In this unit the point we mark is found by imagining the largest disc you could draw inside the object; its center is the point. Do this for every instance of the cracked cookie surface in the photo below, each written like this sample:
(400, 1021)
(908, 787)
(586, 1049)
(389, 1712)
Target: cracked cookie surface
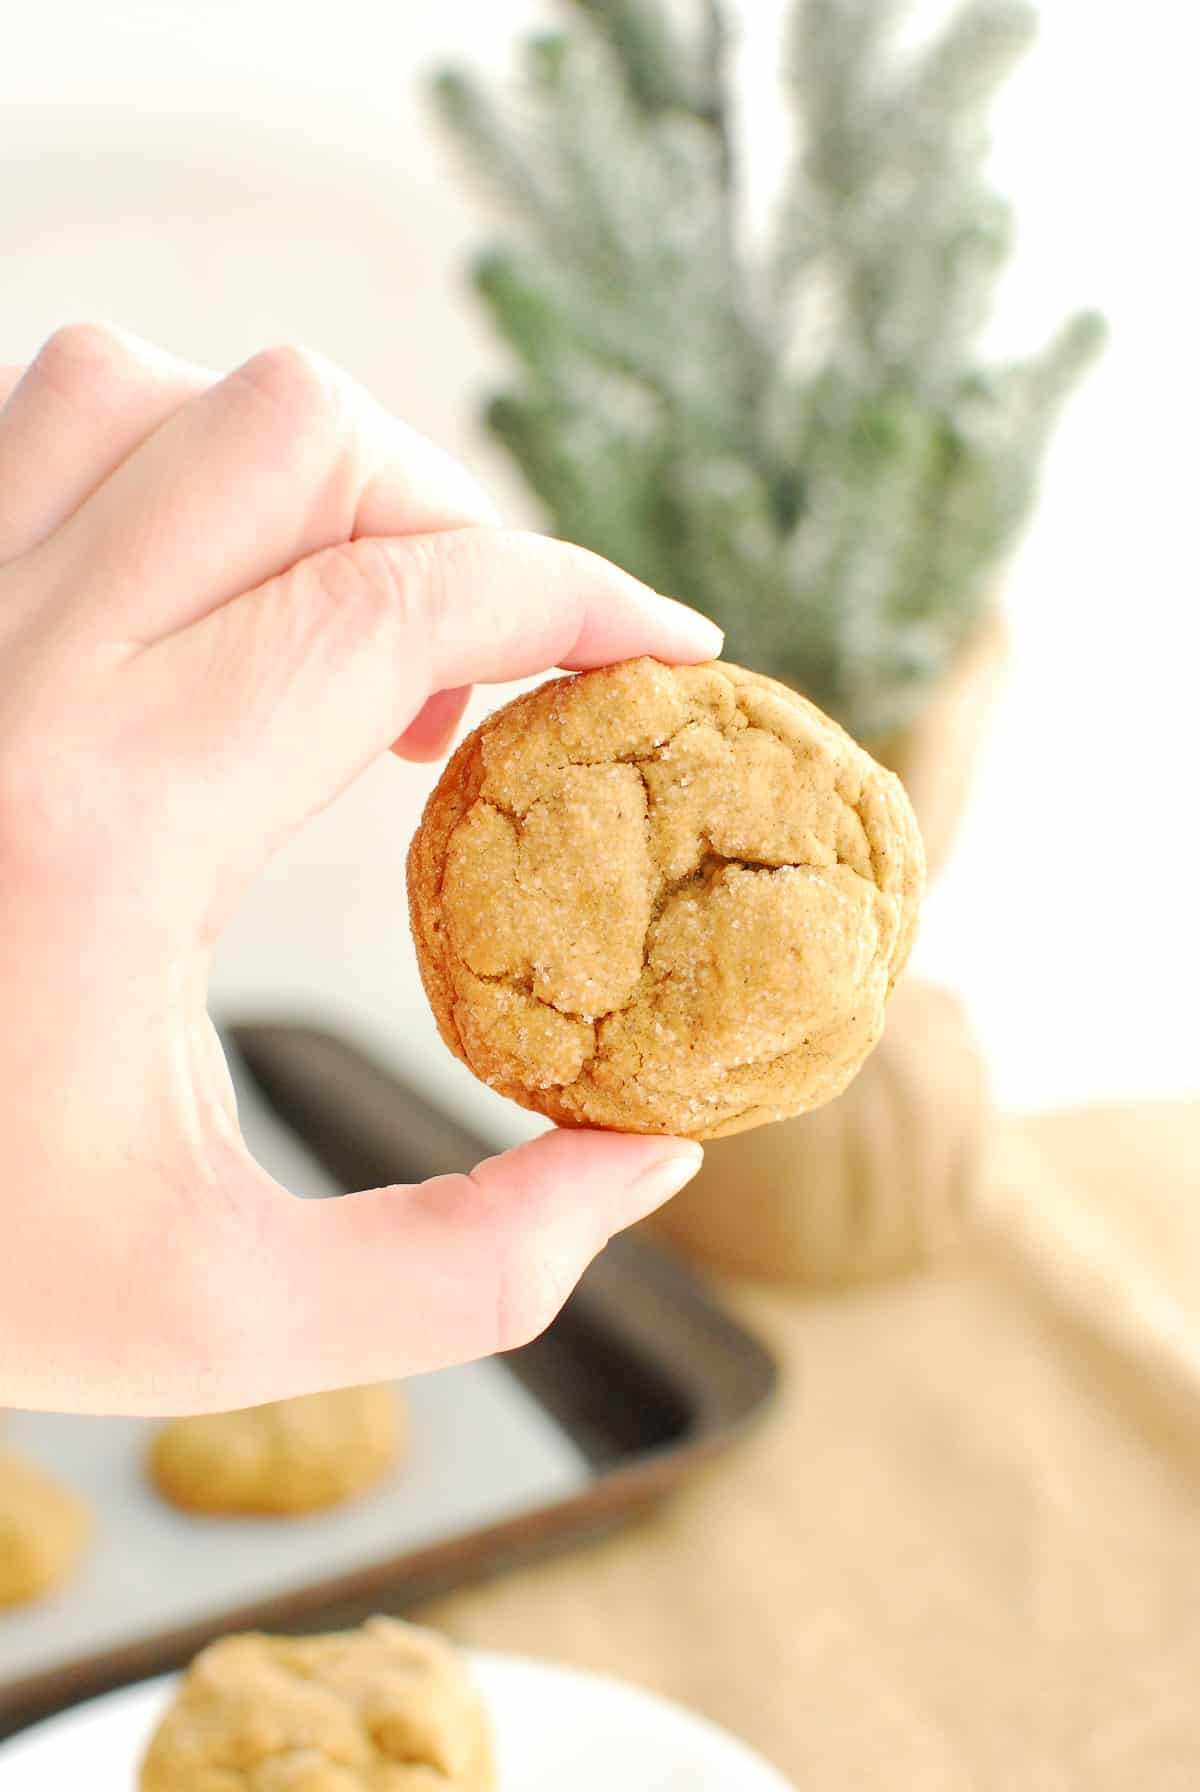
(286, 1457)
(664, 899)
(388, 1708)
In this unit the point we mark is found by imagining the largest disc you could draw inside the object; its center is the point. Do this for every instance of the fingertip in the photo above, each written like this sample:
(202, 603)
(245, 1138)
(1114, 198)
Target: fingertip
(427, 754)
(625, 617)
(637, 1171)
(700, 638)
(671, 1170)
(430, 733)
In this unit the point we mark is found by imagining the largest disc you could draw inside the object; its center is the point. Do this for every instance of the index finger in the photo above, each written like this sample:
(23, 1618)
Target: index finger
(282, 458)
(273, 703)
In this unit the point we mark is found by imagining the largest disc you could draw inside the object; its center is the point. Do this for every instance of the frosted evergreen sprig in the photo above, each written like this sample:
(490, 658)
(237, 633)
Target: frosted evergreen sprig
(802, 441)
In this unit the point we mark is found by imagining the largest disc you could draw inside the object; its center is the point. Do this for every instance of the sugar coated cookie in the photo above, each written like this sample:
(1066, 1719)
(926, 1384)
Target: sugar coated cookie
(43, 1529)
(388, 1708)
(664, 899)
(287, 1457)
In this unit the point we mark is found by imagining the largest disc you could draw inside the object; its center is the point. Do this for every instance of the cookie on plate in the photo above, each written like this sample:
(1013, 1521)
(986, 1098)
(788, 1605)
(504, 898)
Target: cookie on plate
(388, 1708)
(664, 899)
(43, 1529)
(290, 1456)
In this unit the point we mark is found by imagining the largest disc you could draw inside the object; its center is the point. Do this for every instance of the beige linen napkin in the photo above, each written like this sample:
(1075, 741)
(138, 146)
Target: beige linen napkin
(964, 1551)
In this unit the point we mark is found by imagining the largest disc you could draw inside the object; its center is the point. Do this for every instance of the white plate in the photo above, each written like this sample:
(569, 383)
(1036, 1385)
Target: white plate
(556, 1730)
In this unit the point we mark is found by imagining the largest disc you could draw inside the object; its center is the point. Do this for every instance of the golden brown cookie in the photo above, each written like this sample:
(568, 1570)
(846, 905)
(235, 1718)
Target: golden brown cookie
(288, 1457)
(43, 1528)
(388, 1708)
(664, 899)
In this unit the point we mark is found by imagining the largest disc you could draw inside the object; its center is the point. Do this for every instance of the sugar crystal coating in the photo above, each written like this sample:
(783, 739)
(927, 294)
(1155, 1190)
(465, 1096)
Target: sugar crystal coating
(664, 899)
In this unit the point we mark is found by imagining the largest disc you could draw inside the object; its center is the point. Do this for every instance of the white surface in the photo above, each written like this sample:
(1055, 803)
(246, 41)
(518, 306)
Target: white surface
(479, 1449)
(223, 176)
(556, 1731)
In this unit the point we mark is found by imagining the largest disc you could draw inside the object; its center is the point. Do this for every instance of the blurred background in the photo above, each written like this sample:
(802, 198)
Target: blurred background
(975, 1505)
(222, 177)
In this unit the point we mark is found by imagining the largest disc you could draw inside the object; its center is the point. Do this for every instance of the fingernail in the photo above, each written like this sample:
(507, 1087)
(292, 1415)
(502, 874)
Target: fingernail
(703, 636)
(664, 1178)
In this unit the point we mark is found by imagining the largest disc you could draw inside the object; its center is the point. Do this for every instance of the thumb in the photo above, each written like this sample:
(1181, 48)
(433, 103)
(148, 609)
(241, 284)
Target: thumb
(398, 1281)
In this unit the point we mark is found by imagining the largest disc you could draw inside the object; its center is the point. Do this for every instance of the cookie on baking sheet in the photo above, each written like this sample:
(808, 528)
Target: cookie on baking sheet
(290, 1456)
(664, 899)
(388, 1708)
(43, 1529)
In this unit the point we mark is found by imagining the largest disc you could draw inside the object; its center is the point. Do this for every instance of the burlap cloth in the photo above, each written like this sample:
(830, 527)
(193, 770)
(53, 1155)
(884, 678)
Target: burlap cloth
(964, 1550)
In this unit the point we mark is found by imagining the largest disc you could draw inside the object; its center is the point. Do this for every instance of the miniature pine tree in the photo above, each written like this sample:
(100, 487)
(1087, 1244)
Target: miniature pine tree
(801, 441)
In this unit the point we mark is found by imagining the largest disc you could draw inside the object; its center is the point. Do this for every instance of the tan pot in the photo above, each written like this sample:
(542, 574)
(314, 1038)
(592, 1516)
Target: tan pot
(882, 1179)
(885, 1177)
(935, 759)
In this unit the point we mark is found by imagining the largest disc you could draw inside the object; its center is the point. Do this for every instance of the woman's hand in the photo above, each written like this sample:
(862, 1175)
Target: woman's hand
(220, 599)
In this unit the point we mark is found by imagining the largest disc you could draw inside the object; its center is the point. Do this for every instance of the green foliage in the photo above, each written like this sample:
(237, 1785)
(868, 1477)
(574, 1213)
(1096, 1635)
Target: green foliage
(802, 442)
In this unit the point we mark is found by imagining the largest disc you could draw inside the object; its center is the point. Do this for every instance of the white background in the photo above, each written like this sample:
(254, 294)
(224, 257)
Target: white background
(222, 175)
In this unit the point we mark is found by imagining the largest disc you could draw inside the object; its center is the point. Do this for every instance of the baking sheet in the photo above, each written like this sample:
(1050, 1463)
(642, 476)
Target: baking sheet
(480, 1449)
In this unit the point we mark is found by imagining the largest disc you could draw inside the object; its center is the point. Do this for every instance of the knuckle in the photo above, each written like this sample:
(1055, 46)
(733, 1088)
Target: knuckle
(530, 1292)
(414, 578)
(339, 577)
(518, 1276)
(291, 378)
(80, 355)
(377, 589)
(530, 1281)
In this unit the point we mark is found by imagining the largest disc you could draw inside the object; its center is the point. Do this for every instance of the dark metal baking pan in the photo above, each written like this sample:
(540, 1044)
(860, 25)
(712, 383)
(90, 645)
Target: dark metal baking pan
(643, 1371)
